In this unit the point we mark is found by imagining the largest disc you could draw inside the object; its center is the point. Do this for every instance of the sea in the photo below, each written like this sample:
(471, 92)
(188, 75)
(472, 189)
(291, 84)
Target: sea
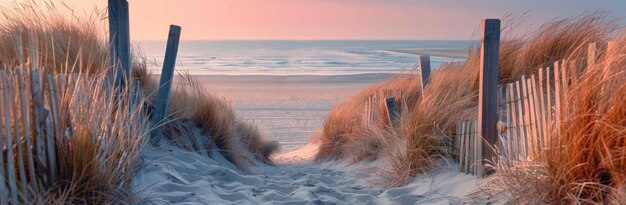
(282, 57)
(293, 121)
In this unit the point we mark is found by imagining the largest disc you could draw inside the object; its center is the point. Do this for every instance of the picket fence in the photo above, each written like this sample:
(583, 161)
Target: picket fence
(392, 99)
(34, 118)
(528, 110)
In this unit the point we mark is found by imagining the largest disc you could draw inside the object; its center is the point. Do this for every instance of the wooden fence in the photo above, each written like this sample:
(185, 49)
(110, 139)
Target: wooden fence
(467, 146)
(517, 120)
(37, 112)
(373, 104)
(527, 110)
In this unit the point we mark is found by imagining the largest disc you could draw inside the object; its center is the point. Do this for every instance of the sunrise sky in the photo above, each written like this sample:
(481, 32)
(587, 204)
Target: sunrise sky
(338, 19)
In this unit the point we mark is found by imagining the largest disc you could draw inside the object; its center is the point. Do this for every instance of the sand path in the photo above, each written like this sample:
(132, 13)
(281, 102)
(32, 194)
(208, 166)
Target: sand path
(173, 176)
(288, 109)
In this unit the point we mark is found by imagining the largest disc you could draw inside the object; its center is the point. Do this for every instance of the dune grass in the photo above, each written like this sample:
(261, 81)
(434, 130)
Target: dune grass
(586, 161)
(343, 132)
(64, 44)
(97, 154)
(99, 157)
(452, 95)
(444, 103)
(192, 107)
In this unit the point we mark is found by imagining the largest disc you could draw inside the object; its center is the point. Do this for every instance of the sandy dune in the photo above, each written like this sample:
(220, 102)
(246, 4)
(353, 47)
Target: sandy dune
(174, 176)
(288, 109)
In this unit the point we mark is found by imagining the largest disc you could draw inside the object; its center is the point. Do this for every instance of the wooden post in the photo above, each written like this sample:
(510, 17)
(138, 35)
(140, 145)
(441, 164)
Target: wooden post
(425, 69)
(507, 114)
(8, 102)
(457, 140)
(487, 102)
(26, 125)
(469, 143)
(18, 139)
(549, 102)
(557, 92)
(532, 103)
(392, 112)
(611, 49)
(592, 54)
(3, 188)
(165, 85)
(464, 147)
(38, 113)
(54, 119)
(119, 35)
(519, 116)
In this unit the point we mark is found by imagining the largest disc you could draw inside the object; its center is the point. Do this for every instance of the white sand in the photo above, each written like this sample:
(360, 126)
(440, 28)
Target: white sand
(173, 176)
(288, 109)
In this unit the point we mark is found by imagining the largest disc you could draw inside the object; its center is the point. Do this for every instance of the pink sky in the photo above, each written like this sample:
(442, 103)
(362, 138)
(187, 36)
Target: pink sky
(335, 19)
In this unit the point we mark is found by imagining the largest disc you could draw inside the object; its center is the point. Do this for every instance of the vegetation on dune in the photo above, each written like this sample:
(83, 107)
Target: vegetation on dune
(452, 95)
(98, 161)
(94, 165)
(586, 161)
(62, 44)
(239, 142)
(345, 136)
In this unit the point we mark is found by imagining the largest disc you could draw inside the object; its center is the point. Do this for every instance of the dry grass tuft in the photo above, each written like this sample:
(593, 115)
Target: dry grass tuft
(344, 132)
(254, 142)
(434, 118)
(559, 39)
(97, 162)
(191, 107)
(586, 162)
(99, 157)
(63, 44)
(96, 155)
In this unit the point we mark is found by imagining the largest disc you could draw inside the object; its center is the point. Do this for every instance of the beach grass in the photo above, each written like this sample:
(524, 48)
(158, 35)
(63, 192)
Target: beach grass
(96, 164)
(343, 130)
(585, 161)
(99, 156)
(452, 95)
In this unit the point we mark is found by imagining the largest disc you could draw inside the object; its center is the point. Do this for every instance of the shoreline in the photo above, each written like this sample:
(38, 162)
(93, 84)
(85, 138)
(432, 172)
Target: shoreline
(299, 79)
(293, 107)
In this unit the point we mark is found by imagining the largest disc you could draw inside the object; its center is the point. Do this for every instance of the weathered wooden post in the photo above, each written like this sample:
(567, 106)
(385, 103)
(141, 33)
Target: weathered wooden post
(592, 53)
(165, 84)
(392, 112)
(52, 127)
(119, 36)
(10, 164)
(425, 69)
(611, 48)
(487, 101)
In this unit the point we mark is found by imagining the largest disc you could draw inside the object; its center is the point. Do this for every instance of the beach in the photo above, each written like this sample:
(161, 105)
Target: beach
(255, 102)
(286, 108)
(174, 176)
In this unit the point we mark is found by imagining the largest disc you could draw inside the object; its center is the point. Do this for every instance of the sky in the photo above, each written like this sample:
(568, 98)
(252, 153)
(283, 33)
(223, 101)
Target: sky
(340, 19)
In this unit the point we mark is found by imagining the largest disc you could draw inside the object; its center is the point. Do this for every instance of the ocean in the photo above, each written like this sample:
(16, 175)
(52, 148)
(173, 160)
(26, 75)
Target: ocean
(291, 111)
(273, 57)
